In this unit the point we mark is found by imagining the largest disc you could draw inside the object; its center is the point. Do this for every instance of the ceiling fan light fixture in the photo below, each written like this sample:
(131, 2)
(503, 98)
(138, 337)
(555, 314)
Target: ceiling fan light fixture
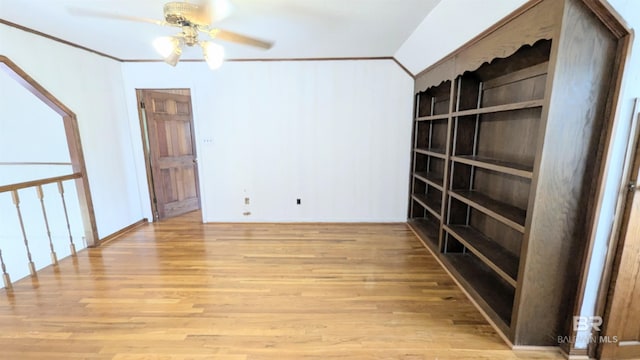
(169, 48)
(174, 57)
(213, 54)
(192, 17)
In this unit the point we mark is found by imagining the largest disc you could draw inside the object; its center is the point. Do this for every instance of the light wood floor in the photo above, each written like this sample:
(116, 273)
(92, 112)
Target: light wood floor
(183, 290)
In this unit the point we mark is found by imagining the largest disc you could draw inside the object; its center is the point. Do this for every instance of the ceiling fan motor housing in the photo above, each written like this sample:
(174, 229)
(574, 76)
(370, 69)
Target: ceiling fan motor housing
(182, 13)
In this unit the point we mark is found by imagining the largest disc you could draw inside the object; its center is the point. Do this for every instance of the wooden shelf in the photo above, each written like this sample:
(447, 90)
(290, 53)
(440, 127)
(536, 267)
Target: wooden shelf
(493, 255)
(433, 117)
(487, 289)
(496, 165)
(432, 203)
(501, 108)
(507, 214)
(430, 178)
(428, 231)
(435, 152)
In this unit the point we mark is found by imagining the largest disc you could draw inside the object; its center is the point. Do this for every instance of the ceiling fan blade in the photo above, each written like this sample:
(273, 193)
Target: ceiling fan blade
(239, 38)
(106, 15)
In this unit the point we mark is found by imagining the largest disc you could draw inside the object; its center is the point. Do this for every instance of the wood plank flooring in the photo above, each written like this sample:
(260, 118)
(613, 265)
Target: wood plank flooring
(183, 290)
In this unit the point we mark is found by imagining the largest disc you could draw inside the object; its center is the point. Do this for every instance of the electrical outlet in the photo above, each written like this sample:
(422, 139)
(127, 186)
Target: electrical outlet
(247, 201)
(246, 213)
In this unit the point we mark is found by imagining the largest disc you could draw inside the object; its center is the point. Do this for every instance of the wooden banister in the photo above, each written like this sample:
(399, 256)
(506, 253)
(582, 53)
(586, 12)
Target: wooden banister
(37, 185)
(33, 163)
(54, 257)
(28, 184)
(16, 202)
(5, 276)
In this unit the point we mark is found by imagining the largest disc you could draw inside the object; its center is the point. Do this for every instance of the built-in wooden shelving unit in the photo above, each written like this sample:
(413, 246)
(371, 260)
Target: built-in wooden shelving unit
(506, 152)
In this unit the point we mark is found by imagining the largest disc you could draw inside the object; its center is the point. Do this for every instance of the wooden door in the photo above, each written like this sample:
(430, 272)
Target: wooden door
(172, 153)
(623, 316)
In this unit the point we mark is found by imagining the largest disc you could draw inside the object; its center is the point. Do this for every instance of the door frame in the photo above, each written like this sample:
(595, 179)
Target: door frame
(617, 245)
(144, 133)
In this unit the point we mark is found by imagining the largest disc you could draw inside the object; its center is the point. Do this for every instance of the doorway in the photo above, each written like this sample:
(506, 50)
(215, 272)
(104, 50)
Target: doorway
(622, 316)
(166, 121)
(75, 153)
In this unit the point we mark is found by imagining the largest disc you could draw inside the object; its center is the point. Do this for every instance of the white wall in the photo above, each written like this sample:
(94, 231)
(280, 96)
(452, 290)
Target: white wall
(21, 113)
(334, 133)
(92, 87)
(448, 26)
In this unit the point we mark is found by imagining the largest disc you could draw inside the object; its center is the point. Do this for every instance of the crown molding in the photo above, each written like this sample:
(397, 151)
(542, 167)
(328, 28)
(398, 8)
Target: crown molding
(65, 42)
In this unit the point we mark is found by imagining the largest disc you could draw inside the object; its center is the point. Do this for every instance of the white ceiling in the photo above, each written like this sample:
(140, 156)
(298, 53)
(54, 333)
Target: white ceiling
(299, 28)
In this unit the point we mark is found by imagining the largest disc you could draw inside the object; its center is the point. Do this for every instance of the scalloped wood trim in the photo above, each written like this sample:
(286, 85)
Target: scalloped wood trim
(525, 26)
(443, 72)
(536, 14)
(541, 22)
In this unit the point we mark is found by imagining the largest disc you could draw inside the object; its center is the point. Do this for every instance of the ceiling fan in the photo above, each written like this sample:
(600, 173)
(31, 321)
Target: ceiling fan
(192, 18)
